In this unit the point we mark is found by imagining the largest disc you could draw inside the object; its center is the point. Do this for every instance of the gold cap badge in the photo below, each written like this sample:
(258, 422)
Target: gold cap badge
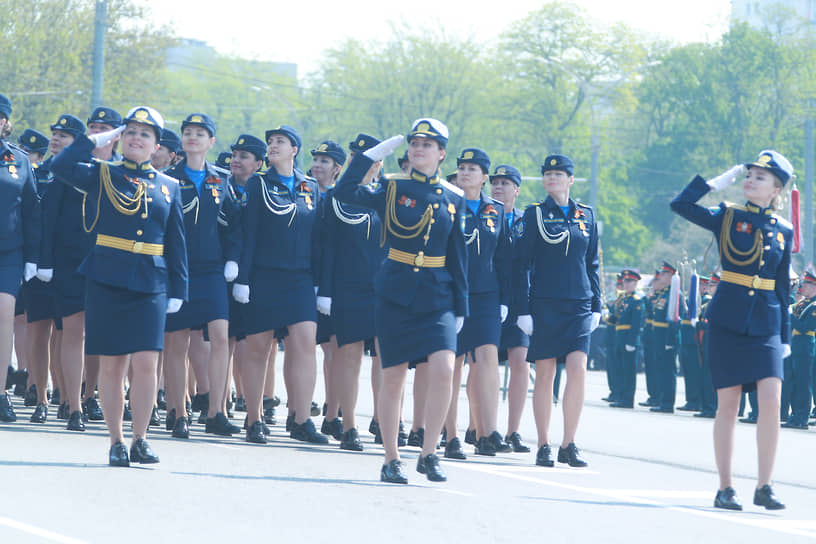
(196, 119)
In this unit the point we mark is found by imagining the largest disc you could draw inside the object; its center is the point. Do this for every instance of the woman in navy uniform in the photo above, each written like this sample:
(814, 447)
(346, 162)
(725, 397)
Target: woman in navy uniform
(487, 237)
(748, 318)
(421, 288)
(277, 278)
(19, 238)
(248, 153)
(505, 186)
(213, 236)
(64, 244)
(351, 257)
(558, 251)
(137, 268)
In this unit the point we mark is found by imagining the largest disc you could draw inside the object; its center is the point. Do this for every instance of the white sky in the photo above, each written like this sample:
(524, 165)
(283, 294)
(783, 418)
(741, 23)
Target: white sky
(299, 31)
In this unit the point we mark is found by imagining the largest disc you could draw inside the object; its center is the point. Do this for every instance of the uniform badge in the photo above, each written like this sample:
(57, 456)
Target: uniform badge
(452, 211)
(744, 226)
(520, 228)
(407, 202)
(582, 226)
(166, 192)
(490, 223)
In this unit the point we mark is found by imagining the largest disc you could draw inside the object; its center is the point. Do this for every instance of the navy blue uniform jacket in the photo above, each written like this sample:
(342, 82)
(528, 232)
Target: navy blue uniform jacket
(740, 309)
(422, 289)
(163, 225)
(19, 203)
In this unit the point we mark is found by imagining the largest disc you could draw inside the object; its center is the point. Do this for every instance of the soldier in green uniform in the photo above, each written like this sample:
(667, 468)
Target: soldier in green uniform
(629, 316)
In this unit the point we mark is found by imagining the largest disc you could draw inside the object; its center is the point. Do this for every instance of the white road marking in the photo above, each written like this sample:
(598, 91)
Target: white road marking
(225, 447)
(42, 533)
(793, 527)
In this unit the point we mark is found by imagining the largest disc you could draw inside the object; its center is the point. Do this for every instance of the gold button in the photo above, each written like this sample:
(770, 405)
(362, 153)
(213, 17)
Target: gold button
(767, 248)
(770, 234)
(436, 205)
(416, 269)
(433, 221)
(139, 232)
(151, 176)
(144, 215)
(150, 199)
(773, 221)
(751, 293)
(439, 191)
(761, 263)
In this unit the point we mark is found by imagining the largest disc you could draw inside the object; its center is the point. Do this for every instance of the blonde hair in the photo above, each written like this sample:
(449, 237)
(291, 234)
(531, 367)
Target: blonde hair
(777, 202)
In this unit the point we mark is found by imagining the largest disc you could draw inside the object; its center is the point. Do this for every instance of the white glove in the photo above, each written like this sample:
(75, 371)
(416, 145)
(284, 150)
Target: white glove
(104, 138)
(668, 347)
(786, 351)
(45, 274)
(383, 149)
(174, 305)
(460, 322)
(726, 178)
(29, 271)
(629, 348)
(596, 320)
(316, 288)
(503, 311)
(240, 293)
(525, 323)
(324, 305)
(230, 270)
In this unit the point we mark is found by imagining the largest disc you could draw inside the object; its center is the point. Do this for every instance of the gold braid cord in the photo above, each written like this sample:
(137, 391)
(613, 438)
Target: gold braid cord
(122, 203)
(391, 217)
(730, 252)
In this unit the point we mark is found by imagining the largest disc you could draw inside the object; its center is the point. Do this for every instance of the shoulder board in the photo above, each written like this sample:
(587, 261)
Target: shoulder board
(531, 206)
(309, 178)
(636, 296)
(582, 205)
(733, 206)
(16, 147)
(222, 171)
(109, 163)
(390, 177)
(451, 187)
(166, 178)
(491, 200)
(782, 221)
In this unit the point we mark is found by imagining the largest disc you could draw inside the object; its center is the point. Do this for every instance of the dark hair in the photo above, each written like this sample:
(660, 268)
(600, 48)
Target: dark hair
(8, 128)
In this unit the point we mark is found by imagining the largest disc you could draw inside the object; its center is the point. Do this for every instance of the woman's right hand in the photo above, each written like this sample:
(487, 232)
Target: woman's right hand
(104, 138)
(240, 293)
(383, 149)
(726, 178)
(525, 323)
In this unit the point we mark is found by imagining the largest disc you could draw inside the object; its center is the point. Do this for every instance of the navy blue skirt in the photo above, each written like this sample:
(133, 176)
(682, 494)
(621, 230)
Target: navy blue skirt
(559, 327)
(483, 324)
(207, 302)
(278, 298)
(69, 287)
(119, 321)
(19, 302)
(511, 337)
(11, 271)
(354, 319)
(738, 359)
(406, 336)
(237, 316)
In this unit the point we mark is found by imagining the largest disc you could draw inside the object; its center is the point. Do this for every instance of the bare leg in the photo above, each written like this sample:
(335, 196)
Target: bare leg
(258, 347)
(487, 388)
(39, 358)
(542, 398)
(20, 326)
(199, 361)
(72, 358)
(55, 365)
(391, 384)
(333, 375)
(347, 361)
(573, 394)
(91, 376)
(438, 385)
(112, 394)
(7, 323)
(300, 357)
(769, 391)
(453, 407)
(728, 399)
(142, 389)
(473, 400)
(176, 345)
(217, 365)
(376, 368)
(271, 372)
(420, 397)
(517, 389)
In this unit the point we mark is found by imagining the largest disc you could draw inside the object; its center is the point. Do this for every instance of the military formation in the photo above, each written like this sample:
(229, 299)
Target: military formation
(145, 277)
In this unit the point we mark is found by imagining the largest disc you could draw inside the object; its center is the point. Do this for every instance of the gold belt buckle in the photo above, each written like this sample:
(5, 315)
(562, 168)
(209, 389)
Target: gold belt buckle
(419, 260)
(756, 282)
(137, 247)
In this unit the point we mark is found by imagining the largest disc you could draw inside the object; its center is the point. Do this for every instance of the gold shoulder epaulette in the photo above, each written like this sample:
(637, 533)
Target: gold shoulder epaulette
(733, 206)
(782, 221)
(398, 176)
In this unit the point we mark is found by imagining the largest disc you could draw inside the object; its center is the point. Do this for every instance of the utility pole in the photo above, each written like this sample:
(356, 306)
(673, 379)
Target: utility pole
(100, 22)
(596, 150)
(807, 230)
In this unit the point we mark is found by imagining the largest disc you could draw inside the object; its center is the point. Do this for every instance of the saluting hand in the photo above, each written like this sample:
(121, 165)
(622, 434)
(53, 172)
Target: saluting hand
(383, 149)
(726, 178)
(104, 138)
(240, 293)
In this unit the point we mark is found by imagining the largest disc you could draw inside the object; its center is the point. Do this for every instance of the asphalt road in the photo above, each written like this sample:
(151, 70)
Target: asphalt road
(651, 479)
